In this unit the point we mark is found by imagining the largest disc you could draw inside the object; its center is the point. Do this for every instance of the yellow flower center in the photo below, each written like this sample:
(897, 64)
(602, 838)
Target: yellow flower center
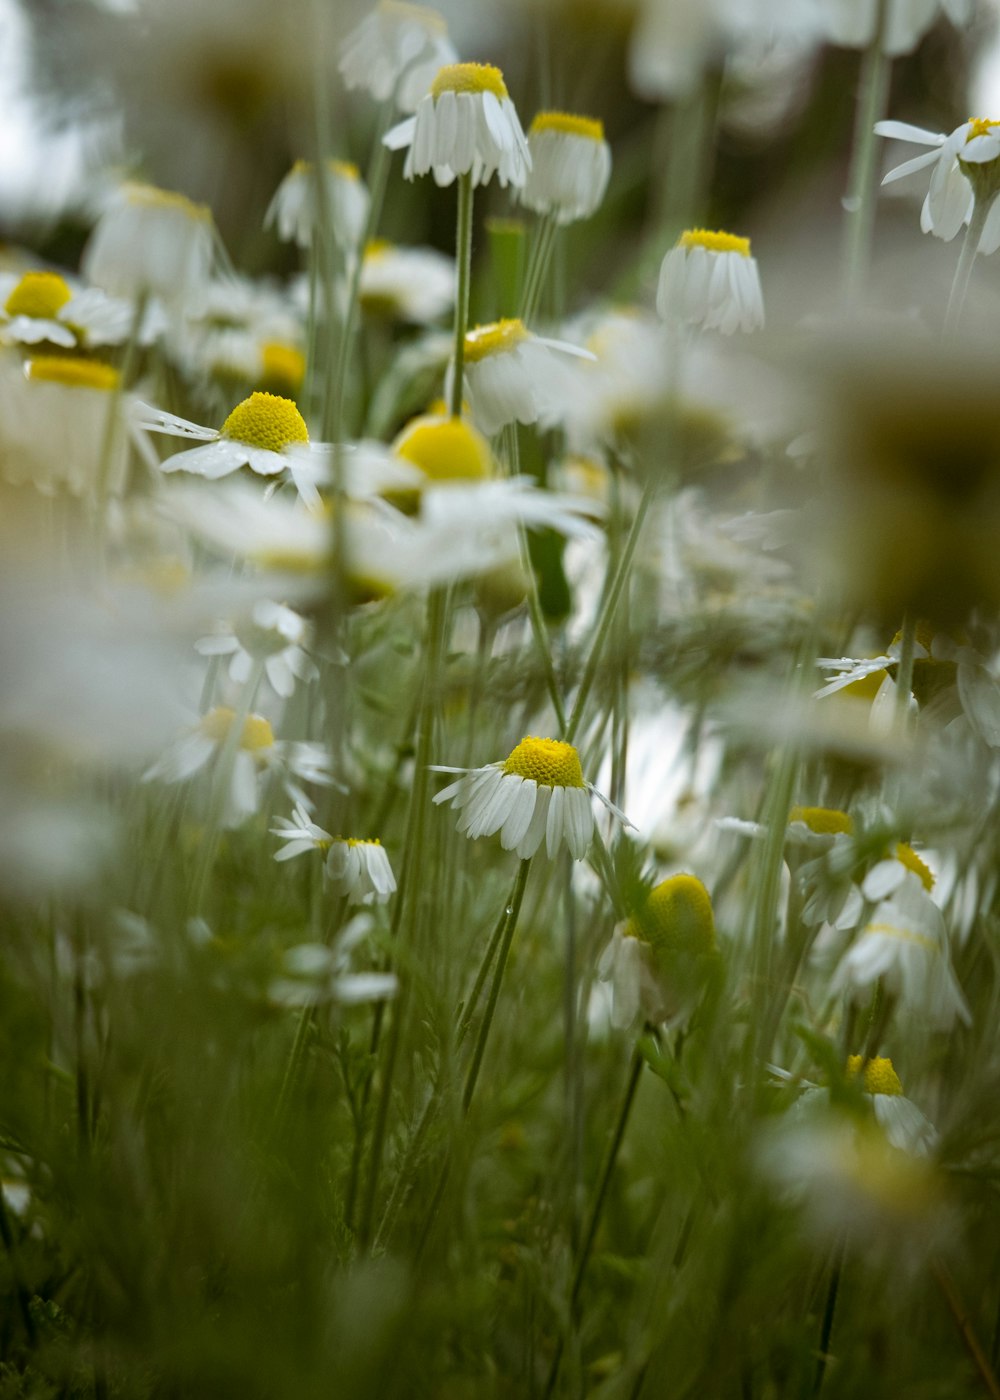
(980, 126)
(74, 371)
(283, 366)
(549, 761)
(357, 841)
(41, 294)
(879, 1076)
(378, 247)
(265, 420)
(149, 197)
(417, 14)
(494, 339)
(825, 821)
(717, 242)
(257, 732)
(445, 449)
(469, 77)
(907, 856)
(677, 917)
(588, 127)
(346, 169)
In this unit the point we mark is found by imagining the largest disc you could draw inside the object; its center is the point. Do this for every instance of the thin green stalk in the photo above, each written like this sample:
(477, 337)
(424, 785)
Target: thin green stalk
(513, 911)
(463, 259)
(594, 1220)
(829, 1310)
(960, 1317)
(538, 628)
(541, 256)
(306, 1024)
(859, 204)
(467, 1010)
(406, 897)
(963, 272)
(904, 671)
(608, 609)
(221, 780)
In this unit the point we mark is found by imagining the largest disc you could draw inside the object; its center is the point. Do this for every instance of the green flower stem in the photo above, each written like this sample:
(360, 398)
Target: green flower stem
(513, 910)
(538, 628)
(306, 1025)
(407, 902)
(873, 98)
(112, 423)
(221, 779)
(963, 272)
(538, 266)
(960, 1317)
(463, 258)
(608, 609)
(468, 1008)
(829, 1311)
(597, 1209)
(904, 671)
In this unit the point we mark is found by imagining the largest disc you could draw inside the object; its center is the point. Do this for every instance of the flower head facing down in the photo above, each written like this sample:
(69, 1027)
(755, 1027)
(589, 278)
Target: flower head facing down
(395, 52)
(295, 211)
(537, 793)
(151, 242)
(570, 166)
(711, 280)
(966, 167)
(357, 868)
(465, 125)
(512, 375)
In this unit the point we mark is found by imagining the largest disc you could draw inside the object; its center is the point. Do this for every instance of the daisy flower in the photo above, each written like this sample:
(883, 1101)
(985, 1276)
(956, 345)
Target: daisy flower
(356, 868)
(905, 943)
(512, 375)
(466, 124)
(656, 960)
(711, 280)
(200, 747)
(416, 285)
(55, 413)
(271, 633)
(900, 1119)
(31, 310)
(313, 974)
(395, 52)
(151, 242)
(265, 432)
(538, 793)
(962, 167)
(570, 166)
(445, 449)
(294, 210)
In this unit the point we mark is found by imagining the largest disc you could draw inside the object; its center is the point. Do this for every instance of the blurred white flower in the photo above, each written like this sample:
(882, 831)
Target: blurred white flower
(570, 166)
(295, 212)
(851, 23)
(313, 974)
(151, 242)
(466, 124)
(396, 51)
(408, 284)
(711, 280)
(271, 633)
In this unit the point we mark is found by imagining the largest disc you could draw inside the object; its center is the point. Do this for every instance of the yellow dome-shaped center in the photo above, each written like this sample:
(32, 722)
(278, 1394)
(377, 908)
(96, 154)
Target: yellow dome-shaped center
(74, 371)
(39, 294)
(265, 420)
(879, 1076)
(494, 338)
(469, 77)
(569, 125)
(907, 856)
(825, 821)
(445, 449)
(715, 242)
(549, 761)
(677, 917)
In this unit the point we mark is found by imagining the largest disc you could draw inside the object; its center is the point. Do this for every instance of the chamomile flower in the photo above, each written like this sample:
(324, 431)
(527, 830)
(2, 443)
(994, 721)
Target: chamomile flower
(265, 433)
(395, 52)
(570, 166)
(55, 416)
(906, 945)
(31, 310)
(963, 166)
(355, 867)
(466, 124)
(711, 280)
(43, 307)
(656, 959)
(151, 242)
(900, 1119)
(445, 449)
(295, 212)
(200, 747)
(270, 633)
(313, 974)
(512, 375)
(538, 793)
(416, 285)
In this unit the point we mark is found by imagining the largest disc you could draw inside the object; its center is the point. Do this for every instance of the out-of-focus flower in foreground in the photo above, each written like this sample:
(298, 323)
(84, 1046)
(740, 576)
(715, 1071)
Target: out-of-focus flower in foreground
(395, 52)
(150, 242)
